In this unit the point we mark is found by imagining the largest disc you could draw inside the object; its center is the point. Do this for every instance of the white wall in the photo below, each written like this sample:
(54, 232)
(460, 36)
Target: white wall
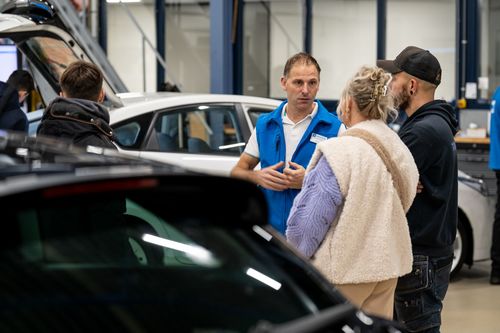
(187, 46)
(125, 45)
(286, 40)
(256, 50)
(344, 39)
(429, 24)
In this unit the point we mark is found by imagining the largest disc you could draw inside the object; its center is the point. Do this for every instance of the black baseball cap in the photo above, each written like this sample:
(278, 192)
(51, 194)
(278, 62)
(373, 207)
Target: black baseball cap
(414, 61)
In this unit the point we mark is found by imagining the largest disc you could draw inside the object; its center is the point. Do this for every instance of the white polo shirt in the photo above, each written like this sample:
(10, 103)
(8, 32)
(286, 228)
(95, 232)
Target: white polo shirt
(293, 134)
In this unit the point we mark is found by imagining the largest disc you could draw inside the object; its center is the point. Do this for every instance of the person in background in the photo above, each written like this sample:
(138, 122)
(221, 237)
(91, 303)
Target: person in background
(77, 115)
(13, 93)
(494, 164)
(284, 140)
(429, 134)
(350, 215)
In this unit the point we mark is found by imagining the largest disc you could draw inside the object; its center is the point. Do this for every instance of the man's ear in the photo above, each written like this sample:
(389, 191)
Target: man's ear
(283, 83)
(413, 85)
(102, 94)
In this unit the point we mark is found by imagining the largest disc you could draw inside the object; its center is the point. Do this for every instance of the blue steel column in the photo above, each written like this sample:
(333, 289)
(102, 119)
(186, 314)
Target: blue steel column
(381, 28)
(460, 84)
(160, 40)
(237, 40)
(102, 34)
(472, 49)
(468, 35)
(221, 52)
(308, 26)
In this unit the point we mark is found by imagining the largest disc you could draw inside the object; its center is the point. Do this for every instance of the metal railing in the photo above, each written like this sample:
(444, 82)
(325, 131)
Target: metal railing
(146, 41)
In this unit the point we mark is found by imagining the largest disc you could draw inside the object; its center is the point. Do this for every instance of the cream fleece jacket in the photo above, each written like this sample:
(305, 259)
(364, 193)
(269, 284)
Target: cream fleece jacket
(369, 241)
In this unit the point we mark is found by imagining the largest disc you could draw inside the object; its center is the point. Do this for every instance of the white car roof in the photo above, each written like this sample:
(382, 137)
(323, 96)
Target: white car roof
(160, 101)
(10, 21)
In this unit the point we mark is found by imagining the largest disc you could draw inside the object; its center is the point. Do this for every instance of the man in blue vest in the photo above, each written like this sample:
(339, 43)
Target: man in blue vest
(284, 140)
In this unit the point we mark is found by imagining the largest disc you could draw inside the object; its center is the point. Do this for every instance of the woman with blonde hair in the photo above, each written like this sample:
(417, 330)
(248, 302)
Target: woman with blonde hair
(350, 216)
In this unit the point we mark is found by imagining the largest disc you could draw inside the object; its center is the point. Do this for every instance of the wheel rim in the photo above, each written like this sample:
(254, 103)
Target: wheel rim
(457, 251)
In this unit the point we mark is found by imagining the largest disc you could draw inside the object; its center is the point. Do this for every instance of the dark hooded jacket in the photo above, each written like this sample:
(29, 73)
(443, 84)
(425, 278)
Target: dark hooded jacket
(12, 117)
(429, 134)
(80, 121)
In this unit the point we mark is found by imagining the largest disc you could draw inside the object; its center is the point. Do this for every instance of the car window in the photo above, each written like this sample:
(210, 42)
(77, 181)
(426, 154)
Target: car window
(255, 113)
(147, 249)
(53, 54)
(205, 129)
(33, 127)
(130, 133)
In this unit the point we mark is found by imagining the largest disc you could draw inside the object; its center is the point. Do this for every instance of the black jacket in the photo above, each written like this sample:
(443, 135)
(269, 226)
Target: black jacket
(12, 117)
(429, 134)
(80, 121)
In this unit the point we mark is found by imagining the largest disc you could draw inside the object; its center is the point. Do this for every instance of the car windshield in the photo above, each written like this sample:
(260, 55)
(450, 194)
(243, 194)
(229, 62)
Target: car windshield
(141, 254)
(53, 53)
(50, 56)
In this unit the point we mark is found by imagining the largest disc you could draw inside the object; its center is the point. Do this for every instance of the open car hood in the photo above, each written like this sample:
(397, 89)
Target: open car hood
(49, 49)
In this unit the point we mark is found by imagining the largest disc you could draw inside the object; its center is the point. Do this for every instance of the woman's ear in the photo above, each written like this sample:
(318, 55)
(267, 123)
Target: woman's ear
(350, 102)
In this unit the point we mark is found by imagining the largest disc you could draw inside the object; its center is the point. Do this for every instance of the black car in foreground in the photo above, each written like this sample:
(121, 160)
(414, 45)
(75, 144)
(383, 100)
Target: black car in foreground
(95, 242)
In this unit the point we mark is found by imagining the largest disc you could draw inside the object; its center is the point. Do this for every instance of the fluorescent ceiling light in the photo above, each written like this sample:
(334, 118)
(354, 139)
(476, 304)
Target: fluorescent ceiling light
(263, 278)
(263, 233)
(195, 251)
(124, 1)
(233, 145)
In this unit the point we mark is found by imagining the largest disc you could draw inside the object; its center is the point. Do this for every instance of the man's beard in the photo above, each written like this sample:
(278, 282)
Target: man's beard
(401, 100)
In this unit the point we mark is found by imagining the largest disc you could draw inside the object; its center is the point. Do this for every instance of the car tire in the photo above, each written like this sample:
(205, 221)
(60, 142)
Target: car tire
(460, 248)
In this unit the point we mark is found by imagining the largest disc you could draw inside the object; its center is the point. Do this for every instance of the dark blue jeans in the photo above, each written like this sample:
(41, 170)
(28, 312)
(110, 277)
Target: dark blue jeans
(420, 294)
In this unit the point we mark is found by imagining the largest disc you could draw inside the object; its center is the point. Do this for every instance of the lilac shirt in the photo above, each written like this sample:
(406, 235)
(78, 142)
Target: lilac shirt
(314, 209)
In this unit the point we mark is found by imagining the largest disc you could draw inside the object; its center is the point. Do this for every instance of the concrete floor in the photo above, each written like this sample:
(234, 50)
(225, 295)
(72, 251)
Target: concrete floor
(472, 304)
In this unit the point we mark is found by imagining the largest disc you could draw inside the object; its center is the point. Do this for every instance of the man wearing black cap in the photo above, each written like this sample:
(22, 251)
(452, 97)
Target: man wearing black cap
(429, 134)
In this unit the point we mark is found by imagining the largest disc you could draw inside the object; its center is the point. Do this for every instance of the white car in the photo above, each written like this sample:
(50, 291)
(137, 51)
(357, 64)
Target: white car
(476, 212)
(200, 132)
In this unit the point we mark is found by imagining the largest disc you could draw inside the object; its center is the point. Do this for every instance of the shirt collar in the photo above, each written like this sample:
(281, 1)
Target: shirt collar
(310, 115)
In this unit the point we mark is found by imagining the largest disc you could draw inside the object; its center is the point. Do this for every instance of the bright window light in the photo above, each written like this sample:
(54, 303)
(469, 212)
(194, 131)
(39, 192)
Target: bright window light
(263, 278)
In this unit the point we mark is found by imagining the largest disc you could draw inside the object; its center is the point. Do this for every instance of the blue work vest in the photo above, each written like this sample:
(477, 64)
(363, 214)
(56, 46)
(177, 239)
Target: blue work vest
(272, 146)
(495, 131)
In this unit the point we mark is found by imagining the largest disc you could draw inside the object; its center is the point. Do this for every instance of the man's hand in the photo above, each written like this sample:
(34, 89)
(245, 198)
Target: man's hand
(269, 178)
(272, 179)
(420, 187)
(295, 175)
